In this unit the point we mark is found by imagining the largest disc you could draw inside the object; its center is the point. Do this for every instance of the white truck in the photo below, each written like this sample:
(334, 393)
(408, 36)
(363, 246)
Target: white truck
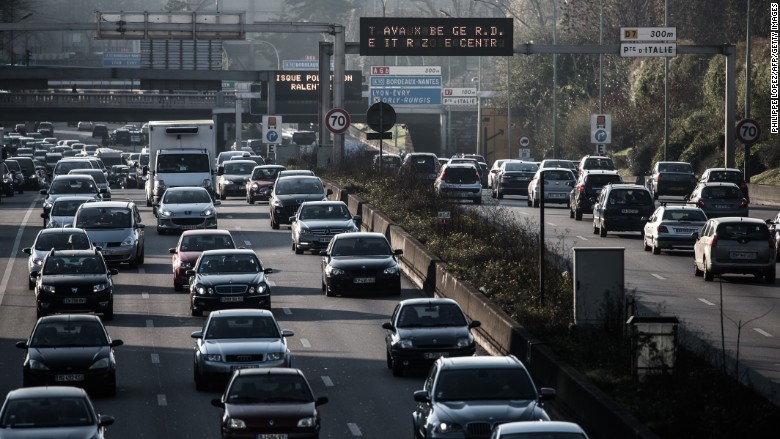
(181, 153)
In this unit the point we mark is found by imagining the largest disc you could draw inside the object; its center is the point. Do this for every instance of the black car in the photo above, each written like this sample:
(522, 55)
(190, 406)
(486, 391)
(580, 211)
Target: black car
(622, 208)
(231, 278)
(469, 396)
(269, 403)
(671, 178)
(7, 188)
(360, 262)
(422, 330)
(587, 189)
(29, 170)
(513, 178)
(74, 281)
(289, 192)
(71, 350)
(16, 173)
(423, 166)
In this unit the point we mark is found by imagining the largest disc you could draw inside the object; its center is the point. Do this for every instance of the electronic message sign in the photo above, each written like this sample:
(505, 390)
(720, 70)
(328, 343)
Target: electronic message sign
(436, 36)
(304, 85)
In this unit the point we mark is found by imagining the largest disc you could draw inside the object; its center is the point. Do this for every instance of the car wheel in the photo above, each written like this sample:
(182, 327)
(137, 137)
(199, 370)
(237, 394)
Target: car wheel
(493, 194)
(250, 200)
(477, 200)
(770, 275)
(595, 227)
(528, 201)
(602, 230)
(398, 369)
(134, 262)
(196, 312)
(21, 191)
(111, 390)
(499, 194)
(178, 287)
(389, 360)
(44, 223)
(696, 271)
(39, 313)
(141, 258)
(536, 202)
(577, 215)
(30, 285)
(148, 203)
(160, 231)
(200, 382)
(108, 315)
(656, 249)
(274, 224)
(571, 212)
(708, 275)
(296, 249)
(9, 193)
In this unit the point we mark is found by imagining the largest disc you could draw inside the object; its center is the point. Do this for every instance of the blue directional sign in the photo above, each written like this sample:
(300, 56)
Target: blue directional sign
(405, 81)
(272, 136)
(601, 135)
(122, 59)
(406, 96)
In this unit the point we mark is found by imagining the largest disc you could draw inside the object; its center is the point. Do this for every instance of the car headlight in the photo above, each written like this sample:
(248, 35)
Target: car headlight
(209, 212)
(276, 203)
(303, 229)
(130, 240)
(236, 423)
(463, 342)
(274, 356)
(185, 264)
(391, 270)
(333, 271)
(38, 365)
(204, 290)
(47, 205)
(48, 288)
(307, 422)
(405, 343)
(102, 363)
(255, 186)
(37, 261)
(99, 287)
(165, 213)
(213, 357)
(446, 427)
(259, 289)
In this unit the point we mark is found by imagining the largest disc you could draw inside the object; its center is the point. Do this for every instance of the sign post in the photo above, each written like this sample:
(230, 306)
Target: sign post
(381, 118)
(600, 131)
(748, 132)
(337, 120)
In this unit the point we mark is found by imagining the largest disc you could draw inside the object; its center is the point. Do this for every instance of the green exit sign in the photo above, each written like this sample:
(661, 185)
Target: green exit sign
(228, 85)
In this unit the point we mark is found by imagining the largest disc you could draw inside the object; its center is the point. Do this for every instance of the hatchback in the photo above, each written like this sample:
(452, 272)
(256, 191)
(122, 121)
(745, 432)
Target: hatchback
(260, 183)
(622, 208)
(556, 184)
(672, 227)
(459, 180)
(587, 189)
(513, 178)
(186, 208)
(192, 244)
(731, 175)
(420, 165)
(719, 199)
(55, 238)
(116, 228)
(734, 245)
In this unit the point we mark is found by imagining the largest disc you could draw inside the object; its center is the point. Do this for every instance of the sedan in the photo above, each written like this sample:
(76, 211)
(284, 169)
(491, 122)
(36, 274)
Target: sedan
(718, 199)
(557, 183)
(513, 177)
(539, 430)
(671, 227)
(360, 262)
(191, 244)
(186, 208)
(63, 210)
(232, 176)
(269, 403)
(289, 192)
(57, 239)
(422, 330)
(228, 279)
(72, 350)
(51, 412)
(317, 222)
(259, 185)
(68, 185)
(75, 281)
(238, 339)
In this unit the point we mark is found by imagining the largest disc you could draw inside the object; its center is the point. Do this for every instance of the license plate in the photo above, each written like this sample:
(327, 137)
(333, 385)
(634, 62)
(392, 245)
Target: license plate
(232, 299)
(364, 280)
(742, 255)
(249, 366)
(187, 227)
(69, 378)
(74, 300)
(272, 436)
(684, 230)
(629, 211)
(722, 206)
(434, 355)
(327, 239)
(555, 195)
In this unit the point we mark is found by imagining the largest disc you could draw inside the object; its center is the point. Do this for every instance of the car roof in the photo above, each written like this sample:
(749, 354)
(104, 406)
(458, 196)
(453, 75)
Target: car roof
(738, 219)
(240, 312)
(466, 165)
(723, 169)
(269, 371)
(426, 301)
(269, 167)
(46, 392)
(674, 162)
(355, 235)
(540, 427)
(71, 252)
(68, 230)
(717, 183)
(70, 318)
(298, 177)
(243, 161)
(208, 232)
(323, 203)
(74, 198)
(73, 177)
(99, 204)
(627, 186)
(480, 361)
(230, 251)
(186, 188)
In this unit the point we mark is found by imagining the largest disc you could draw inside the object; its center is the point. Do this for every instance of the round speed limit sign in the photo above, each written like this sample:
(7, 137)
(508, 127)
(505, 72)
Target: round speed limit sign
(337, 120)
(748, 131)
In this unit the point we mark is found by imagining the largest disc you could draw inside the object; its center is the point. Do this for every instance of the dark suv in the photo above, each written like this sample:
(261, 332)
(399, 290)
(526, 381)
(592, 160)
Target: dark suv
(587, 190)
(421, 165)
(729, 175)
(469, 396)
(671, 178)
(622, 208)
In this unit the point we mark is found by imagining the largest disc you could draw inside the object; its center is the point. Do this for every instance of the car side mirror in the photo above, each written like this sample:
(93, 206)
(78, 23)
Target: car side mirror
(141, 225)
(220, 170)
(268, 270)
(323, 253)
(398, 252)
(287, 333)
(116, 343)
(321, 400)
(43, 215)
(217, 203)
(172, 250)
(196, 334)
(329, 192)
(547, 393)
(475, 324)
(44, 192)
(190, 273)
(357, 219)
(35, 274)
(293, 219)
(422, 396)
(27, 250)
(389, 326)
(695, 236)
(216, 402)
(113, 271)
(21, 344)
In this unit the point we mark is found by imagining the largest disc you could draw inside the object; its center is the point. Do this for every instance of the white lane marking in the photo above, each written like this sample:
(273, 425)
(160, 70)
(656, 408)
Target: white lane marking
(706, 302)
(248, 243)
(287, 310)
(327, 381)
(162, 400)
(354, 429)
(658, 276)
(271, 283)
(150, 323)
(141, 270)
(582, 238)
(305, 343)
(144, 295)
(762, 332)
(552, 224)
(230, 216)
(155, 358)
(15, 250)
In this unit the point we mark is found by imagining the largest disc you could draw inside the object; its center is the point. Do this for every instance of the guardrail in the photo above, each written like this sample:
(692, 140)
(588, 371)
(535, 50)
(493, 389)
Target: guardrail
(118, 100)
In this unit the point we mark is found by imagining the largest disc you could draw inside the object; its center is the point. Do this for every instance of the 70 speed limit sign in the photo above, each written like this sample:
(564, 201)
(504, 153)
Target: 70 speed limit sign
(337, 120)
(748, 131)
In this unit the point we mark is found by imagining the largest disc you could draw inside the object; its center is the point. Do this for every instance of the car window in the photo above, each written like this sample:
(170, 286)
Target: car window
(726, 176)
(269, 388)
(199, 243)
(423, 163)
(83, 264)
(62, 241)
(66, 207)
(429, 315)
(463, 175)
(599, 180)
(299, 186)
(37, 413)
(186, 197)
(483, 384)
(722, 192)
(629, 196)
(71, 333)
(743, 231)
(558, 175)
(599, 163)
(675, 167)
(685, 215)
(72, 187)
(104, 218)
(239, 168)
(230, 263)
(361, 247)
(241, 327)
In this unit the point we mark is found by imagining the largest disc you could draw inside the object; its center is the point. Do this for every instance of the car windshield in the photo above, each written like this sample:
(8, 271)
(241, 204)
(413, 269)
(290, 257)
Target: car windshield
(460, 175)
(752, 232)
(423, 163)
(727, 176)
(99, 176)
(431, 315)
(601, 180)
(558, 175)
(62, 241)
(47, 412)
(65, 167)
(542, 435)
(66, 207)
(675, 167)
(336, 212)
(684, 215)
(186, 197)
(239, 168)
(483, 384)
(722, 192)
(182, 163)
(230, 263)
(520, 167)
(601, 163)
(84, 264)
(362, 246)
(103, 218)
(68, 334)
(241, 327)
(307, 186)
(265, 173)
(630, 196)
(199, 243)
(268, 388)
(86, 186)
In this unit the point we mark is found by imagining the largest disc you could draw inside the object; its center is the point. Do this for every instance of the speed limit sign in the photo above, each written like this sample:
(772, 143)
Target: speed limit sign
(337, 120)
(748, 131)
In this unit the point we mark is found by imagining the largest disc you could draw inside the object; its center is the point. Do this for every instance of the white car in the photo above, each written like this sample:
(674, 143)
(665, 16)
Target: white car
(672, 227)
(558, 183)
(186, 208)
(538, 430)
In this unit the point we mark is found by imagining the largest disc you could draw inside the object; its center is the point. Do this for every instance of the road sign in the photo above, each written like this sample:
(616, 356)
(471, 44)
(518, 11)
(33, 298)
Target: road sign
(302, 64)
(407, 96)
(748, 131)
(628, 50)
(648, 34)
(524, 141)
(249, 95)
(459, 92)
(337, 120)
(463, 102)
(272, 126)
(600, 128)
(406, 70)
(122, 59)
(405, 81)
(380, 117)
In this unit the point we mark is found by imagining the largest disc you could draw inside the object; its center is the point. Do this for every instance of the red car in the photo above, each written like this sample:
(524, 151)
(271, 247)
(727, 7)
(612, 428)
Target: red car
(191, 244)
(259, 185)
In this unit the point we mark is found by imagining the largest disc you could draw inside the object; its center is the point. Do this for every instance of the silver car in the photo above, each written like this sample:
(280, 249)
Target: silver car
(558, 183)
(63, 210)
(719, 199)
(186, 208)
(672, 227)
(316, 222)
(116, 228)
(234, 339)
(100, 180)
(459, 180)
(55, 238)
(744, 246)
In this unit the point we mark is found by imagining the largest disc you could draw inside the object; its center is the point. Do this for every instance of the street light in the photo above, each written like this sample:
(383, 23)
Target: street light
(278, 64)
(24, 17)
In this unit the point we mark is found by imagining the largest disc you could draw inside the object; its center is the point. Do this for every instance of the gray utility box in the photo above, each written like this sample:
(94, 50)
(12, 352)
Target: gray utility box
(599, 285)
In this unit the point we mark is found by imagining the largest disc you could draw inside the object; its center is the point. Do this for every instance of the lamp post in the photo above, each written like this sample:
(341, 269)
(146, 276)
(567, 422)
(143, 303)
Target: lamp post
(276, 52)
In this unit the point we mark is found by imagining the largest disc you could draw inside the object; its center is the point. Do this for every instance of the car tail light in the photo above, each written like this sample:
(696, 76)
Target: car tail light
(658, 178)
(438, 166)
(700, 203)
(662, 229)
(479, 177)
(581, 188)
(743, 203)
(714, 242)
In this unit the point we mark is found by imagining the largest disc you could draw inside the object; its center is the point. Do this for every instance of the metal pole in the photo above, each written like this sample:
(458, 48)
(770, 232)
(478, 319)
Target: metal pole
(508, 110)
(479, 103)
(747, 90)
(555, 81)
(666, 91)
(601, 57)
(541, 238)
